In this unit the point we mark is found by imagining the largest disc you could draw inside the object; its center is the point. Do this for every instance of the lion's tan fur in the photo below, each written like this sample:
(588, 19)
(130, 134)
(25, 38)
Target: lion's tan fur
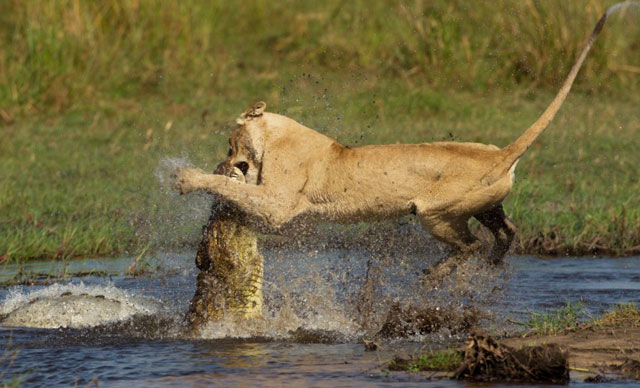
(295, 174)
(299, 175)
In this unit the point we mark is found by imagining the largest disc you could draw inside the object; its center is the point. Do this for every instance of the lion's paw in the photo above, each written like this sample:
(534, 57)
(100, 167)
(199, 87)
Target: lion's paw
(185, 179)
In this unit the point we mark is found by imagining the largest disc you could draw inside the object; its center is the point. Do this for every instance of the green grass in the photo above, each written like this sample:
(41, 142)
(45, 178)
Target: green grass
(438, 361)
(574, 316)
(448, 360)
(552, 322)
(85, 182)
(59, 54)
(93, 95)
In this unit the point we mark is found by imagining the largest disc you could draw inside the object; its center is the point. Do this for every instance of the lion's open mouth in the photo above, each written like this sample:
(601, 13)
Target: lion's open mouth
(238, 174)
(242, 166)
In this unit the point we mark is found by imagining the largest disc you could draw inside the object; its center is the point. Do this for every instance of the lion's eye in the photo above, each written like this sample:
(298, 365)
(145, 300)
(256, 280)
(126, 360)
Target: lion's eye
(230, 152)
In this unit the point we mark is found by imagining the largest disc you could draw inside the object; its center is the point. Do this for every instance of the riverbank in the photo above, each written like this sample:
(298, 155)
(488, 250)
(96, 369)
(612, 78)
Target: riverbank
(609, 351)
(602, 349)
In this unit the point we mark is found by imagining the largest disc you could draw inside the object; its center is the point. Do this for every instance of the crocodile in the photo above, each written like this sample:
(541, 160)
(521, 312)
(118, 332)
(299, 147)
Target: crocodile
(231, 267)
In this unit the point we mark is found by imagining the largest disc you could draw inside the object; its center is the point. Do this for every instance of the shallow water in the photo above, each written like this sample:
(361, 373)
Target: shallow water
(317, 290)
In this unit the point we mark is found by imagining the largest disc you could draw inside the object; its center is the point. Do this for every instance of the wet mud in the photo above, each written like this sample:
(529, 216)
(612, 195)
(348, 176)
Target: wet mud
(594, 355)
(487, 360)
(612, 351)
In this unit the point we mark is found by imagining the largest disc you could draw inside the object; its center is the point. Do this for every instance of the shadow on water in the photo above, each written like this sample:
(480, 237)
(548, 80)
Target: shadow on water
(336, 296)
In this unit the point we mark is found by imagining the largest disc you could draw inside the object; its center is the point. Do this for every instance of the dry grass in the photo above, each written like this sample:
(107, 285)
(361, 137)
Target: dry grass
(624, 314)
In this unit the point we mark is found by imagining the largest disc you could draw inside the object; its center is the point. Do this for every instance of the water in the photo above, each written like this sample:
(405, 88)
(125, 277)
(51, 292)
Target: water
(314, 290)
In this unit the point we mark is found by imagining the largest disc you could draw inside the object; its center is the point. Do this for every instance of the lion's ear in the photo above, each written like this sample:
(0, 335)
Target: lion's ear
(255, 110)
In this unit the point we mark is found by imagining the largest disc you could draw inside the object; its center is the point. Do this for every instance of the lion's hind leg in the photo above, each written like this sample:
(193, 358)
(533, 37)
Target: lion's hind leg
(501, 227)
(454, 232)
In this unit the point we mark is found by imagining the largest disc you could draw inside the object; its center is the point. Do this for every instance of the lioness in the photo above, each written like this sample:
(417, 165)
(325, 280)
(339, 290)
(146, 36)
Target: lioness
(296, 174)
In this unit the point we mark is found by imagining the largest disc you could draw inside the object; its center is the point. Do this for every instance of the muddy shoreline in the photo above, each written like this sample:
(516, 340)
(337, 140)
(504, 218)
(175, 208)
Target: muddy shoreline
(594, 350)
(605, 349)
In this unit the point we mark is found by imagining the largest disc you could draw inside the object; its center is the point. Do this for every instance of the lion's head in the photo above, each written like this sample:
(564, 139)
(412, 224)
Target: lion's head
(246, 144)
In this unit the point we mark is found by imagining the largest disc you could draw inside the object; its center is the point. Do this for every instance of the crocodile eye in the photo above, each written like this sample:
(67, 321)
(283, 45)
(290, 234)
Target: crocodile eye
(243, 166)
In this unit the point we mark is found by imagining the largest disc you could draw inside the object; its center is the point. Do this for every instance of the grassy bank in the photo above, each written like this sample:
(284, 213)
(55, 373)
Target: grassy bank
(93, 96)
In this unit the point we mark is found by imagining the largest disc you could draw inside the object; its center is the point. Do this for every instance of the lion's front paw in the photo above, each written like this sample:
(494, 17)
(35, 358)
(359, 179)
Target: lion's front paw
(185, 180)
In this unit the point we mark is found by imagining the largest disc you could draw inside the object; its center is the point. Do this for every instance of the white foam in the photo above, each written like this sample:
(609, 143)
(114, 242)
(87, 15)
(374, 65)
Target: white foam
(278, 326)
(73, 305)
(278, 323)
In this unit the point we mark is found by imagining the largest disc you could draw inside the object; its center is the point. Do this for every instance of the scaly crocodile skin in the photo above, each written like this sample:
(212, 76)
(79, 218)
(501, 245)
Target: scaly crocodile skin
(230, 278)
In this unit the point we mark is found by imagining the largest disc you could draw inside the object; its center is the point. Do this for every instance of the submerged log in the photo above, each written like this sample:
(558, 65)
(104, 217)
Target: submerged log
(230, 279)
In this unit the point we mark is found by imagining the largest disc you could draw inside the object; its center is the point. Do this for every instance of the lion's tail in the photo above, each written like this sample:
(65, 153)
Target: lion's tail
(513, 152)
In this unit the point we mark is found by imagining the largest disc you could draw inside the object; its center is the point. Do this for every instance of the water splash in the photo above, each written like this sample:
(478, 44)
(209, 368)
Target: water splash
(292, 300)
(73, 306)
(191, 207)
(174, 220)
(166, 167)
(351, 294)
(322, 296)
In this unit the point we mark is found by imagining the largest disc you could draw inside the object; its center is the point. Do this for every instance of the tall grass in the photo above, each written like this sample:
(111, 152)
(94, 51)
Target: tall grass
(55, 54)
